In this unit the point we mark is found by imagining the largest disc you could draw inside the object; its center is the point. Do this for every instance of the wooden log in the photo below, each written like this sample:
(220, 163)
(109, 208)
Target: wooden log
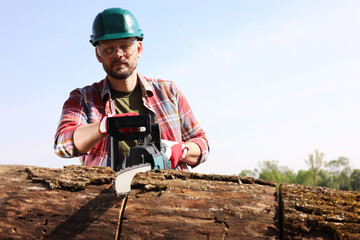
(162, 205)
(176, 205)
(319, 213)
(78, 202)
(32, 210)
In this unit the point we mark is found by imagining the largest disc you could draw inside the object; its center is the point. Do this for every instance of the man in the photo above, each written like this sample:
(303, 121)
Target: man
(82, 130)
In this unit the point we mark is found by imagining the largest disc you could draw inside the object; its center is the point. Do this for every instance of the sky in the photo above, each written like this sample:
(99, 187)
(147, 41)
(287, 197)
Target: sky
(267, 80)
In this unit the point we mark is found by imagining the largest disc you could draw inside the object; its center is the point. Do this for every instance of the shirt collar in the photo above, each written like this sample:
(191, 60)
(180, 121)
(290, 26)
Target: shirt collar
(105, 93)
(146, 88)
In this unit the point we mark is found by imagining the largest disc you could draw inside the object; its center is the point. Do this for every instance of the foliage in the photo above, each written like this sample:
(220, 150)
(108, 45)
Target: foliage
(355, 180)
(248, 173)
(336, 173)
(271, 171)
(315, 163)
(305, 177)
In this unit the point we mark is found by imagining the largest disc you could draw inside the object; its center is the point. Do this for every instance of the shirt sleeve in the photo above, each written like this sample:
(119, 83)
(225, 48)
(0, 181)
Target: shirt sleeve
(190, 127)
(73, 115)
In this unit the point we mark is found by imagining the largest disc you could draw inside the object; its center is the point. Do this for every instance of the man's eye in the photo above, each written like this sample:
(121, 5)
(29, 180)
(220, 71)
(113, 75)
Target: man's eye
(108, 50)
(126, 46)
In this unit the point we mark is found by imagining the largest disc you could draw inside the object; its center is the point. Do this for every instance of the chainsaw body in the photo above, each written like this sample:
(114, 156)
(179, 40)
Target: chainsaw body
(146, 155)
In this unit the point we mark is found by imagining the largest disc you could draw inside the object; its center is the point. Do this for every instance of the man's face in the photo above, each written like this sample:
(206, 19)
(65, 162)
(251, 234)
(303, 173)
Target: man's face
(119, 57)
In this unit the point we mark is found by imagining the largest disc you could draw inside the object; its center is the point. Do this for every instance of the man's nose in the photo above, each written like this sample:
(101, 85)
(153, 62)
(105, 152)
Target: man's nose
(119, 52)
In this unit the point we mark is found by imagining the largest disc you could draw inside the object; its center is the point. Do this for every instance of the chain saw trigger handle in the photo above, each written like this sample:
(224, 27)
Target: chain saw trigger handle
(129, 127)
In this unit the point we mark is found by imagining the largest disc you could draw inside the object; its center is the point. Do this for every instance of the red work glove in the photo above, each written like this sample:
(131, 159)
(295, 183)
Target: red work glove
(175, 151)
(103, 125)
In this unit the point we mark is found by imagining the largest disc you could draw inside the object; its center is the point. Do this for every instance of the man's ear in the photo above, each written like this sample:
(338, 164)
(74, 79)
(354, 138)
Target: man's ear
(139, 49)
(97, 55)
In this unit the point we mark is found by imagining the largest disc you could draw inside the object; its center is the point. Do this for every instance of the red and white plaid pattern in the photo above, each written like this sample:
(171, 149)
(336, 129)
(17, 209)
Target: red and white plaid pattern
(166, 104)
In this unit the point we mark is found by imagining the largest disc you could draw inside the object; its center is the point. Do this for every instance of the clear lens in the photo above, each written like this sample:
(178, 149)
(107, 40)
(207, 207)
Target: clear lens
(110, 49)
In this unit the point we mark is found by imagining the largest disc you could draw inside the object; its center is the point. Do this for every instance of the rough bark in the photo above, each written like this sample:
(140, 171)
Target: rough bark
(177, 205)
(78, 202)
(319, 213)
(32, 210)
(65, 204)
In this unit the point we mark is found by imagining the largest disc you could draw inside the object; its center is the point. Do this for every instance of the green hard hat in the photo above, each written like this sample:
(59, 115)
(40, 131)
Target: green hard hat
(115, 23)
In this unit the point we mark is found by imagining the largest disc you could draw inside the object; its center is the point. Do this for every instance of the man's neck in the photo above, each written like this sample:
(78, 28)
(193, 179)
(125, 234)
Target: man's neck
(123, 85)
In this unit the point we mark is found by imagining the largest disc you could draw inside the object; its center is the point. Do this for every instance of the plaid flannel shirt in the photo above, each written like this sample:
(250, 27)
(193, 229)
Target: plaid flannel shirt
(165, 101)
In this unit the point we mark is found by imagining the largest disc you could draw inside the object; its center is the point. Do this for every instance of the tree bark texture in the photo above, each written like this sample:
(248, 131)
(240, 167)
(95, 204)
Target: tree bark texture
(319, 213)
(78, 202)
(32, 210)
(178, 205)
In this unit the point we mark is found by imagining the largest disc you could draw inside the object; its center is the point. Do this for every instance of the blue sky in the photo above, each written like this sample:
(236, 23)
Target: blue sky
(268, 80)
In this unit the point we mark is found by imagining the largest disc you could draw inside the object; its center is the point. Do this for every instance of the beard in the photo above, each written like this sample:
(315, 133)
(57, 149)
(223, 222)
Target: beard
(120, 74)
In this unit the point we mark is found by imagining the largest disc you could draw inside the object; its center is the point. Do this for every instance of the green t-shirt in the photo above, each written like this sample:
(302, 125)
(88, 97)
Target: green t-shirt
(126, 102)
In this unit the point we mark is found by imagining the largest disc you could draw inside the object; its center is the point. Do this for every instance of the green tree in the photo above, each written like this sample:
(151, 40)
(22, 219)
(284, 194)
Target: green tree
(248, 173)
(340, 171)
(271, 171)
(269, 165)
(315, 162)
(355, 180)
(325, 179)
(277, 176)
(333, 174)
(305, 177)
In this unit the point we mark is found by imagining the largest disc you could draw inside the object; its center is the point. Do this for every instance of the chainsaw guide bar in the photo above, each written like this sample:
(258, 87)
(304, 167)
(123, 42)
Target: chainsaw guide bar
(124, 177)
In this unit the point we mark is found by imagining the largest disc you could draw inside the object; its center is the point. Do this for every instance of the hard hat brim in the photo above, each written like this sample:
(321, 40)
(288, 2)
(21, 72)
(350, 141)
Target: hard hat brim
(94, 41)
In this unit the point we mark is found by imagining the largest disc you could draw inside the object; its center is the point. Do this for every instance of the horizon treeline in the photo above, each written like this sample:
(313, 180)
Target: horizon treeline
(335, 173)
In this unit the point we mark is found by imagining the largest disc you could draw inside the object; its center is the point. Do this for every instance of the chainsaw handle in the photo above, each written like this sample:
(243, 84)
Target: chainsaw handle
(118, 127)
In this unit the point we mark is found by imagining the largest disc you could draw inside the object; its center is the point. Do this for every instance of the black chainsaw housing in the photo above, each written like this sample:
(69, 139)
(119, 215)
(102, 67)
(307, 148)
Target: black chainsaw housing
(148, 148)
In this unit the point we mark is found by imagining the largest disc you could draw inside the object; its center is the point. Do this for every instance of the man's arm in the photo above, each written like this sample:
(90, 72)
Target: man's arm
(87, 136)
(194, 153)
(75, 136)
(192, 133)
(181, 152)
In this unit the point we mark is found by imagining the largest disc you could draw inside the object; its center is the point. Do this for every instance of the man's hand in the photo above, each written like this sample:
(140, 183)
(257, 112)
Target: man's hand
(175, 151)
(103, 122)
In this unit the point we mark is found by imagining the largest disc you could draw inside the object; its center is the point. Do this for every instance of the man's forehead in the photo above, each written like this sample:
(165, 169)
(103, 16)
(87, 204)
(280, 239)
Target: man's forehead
(120, 40)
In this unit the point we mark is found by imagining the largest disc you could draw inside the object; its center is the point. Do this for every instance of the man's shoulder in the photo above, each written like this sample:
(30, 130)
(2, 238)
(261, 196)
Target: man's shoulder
(95, 87)
(89, 92)
(159, 83)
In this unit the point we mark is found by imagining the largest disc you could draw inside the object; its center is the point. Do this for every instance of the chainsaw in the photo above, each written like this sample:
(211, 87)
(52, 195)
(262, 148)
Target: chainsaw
(144, 156)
